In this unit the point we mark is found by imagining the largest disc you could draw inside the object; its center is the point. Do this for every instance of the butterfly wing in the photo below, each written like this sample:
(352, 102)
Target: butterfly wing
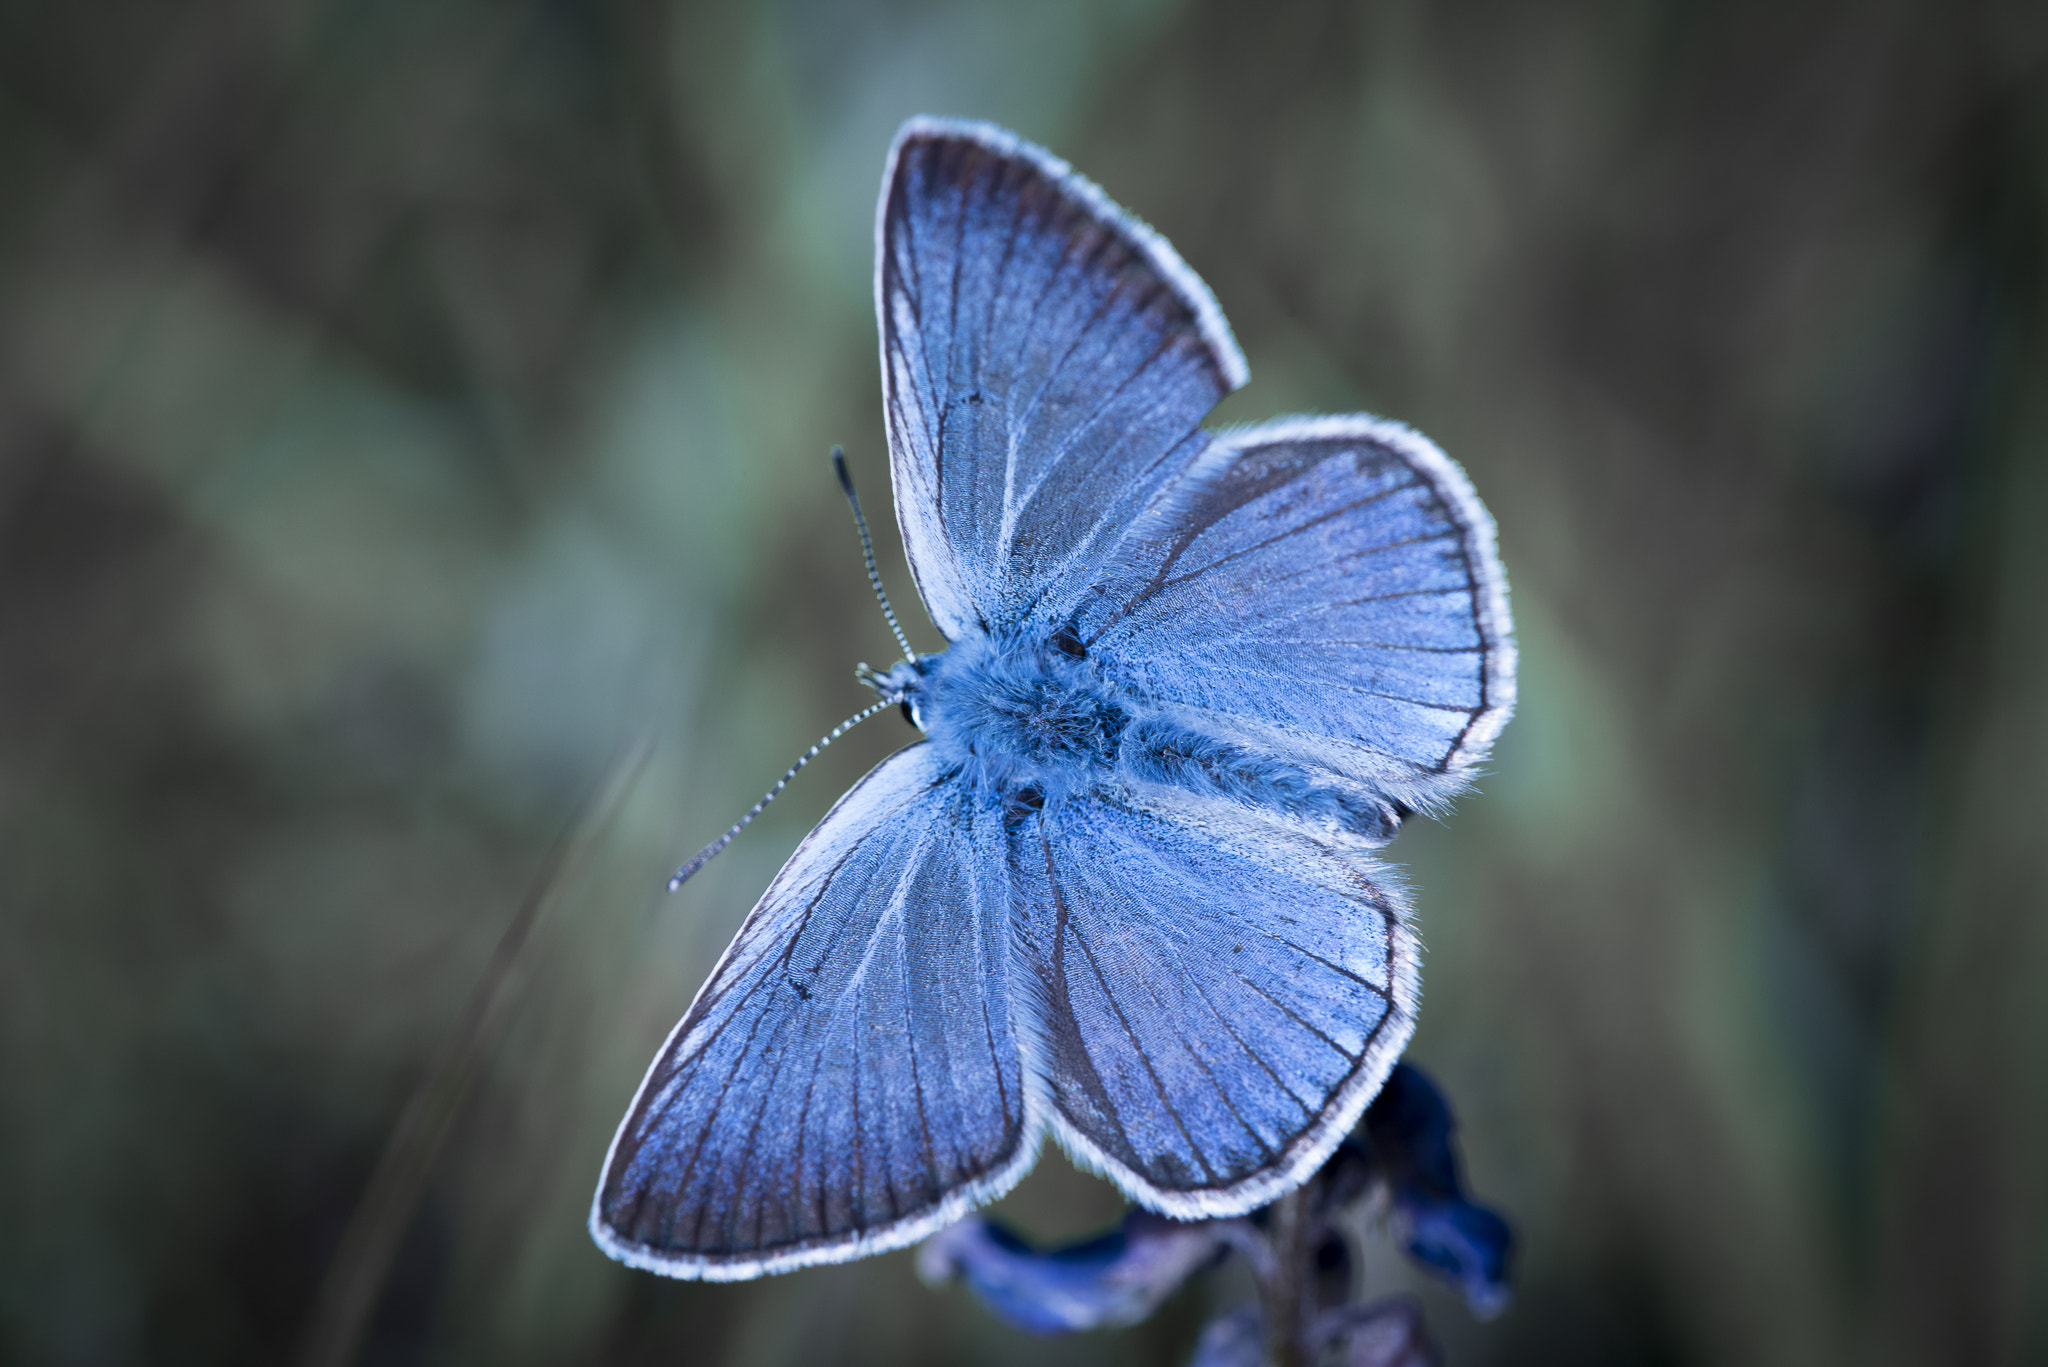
(848, 1079)
(1046, 359)
(1210, 999)
(1325, 590)
(1321, 589)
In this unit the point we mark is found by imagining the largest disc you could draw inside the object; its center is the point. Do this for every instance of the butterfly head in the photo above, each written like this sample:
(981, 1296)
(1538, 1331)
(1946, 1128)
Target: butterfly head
(904, 686)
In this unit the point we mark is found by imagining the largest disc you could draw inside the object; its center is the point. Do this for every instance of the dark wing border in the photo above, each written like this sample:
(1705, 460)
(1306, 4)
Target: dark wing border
(1083, 191)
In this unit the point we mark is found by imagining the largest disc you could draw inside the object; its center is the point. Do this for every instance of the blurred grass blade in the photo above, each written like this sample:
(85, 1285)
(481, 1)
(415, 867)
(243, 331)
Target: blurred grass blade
(355, 1278)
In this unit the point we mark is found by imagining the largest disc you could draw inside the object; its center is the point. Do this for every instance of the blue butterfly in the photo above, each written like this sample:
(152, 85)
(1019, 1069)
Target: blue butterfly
(1123, 891)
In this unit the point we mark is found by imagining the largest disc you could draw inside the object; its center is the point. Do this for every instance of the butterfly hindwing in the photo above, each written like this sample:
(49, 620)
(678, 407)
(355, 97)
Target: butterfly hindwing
(1209, 999)
(1045, 362)
(849, 1078)
(1324, 589)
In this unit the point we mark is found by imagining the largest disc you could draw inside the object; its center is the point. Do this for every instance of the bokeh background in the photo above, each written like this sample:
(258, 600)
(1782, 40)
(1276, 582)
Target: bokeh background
(407, 404)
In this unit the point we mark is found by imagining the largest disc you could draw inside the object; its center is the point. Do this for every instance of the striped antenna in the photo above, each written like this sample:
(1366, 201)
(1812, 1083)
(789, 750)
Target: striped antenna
(867, 550)
(710, 852)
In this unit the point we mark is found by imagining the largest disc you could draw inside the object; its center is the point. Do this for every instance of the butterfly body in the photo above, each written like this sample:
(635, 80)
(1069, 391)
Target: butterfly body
(1124, 893)
(1025, 718)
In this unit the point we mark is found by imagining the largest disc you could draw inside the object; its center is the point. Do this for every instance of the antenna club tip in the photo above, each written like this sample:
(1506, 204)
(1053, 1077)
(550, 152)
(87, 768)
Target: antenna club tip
(675, 883)
(839, 468)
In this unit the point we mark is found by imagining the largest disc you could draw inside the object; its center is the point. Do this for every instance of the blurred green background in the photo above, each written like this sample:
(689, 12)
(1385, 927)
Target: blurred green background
(404, 404)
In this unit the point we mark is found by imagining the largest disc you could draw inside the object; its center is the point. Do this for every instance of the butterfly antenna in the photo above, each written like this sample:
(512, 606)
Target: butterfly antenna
(867, 549)
(710, 852)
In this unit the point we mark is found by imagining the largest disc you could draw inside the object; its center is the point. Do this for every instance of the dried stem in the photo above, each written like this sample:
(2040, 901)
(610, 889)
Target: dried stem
(1287, 1281)
(355, 1278)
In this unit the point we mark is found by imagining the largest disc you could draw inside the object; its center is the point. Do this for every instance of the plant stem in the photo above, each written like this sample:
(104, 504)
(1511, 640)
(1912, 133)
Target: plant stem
(1287, 1281)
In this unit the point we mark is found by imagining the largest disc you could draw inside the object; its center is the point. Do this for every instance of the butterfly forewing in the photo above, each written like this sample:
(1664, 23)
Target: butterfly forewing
(849, 1078)
(1326, 589)
(1045, 362)
(1213, 1000)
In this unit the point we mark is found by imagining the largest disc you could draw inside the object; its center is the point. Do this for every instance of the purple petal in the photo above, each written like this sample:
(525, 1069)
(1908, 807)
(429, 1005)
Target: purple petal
(1409, 1128)
(1236, 1339)
(1103, 1283)
(1388, 1333)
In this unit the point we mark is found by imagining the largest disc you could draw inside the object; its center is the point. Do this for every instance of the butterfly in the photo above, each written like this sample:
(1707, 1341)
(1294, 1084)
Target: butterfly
(1123, 891)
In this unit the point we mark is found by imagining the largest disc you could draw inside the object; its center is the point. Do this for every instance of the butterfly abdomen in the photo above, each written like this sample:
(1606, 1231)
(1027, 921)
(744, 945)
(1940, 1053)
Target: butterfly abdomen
(1025, 719)
(1160, 750)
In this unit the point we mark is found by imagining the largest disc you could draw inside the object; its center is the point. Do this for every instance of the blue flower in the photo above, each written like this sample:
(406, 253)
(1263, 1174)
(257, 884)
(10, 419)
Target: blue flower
(1408, 1133)
(1104, 1283)
(1402, 1155)
(1387, 1333)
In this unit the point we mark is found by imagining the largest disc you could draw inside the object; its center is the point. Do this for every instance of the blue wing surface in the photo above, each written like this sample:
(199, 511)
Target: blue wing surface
(1210, 999)
(1323, 590)
(849, 1078)
(1046, 361)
